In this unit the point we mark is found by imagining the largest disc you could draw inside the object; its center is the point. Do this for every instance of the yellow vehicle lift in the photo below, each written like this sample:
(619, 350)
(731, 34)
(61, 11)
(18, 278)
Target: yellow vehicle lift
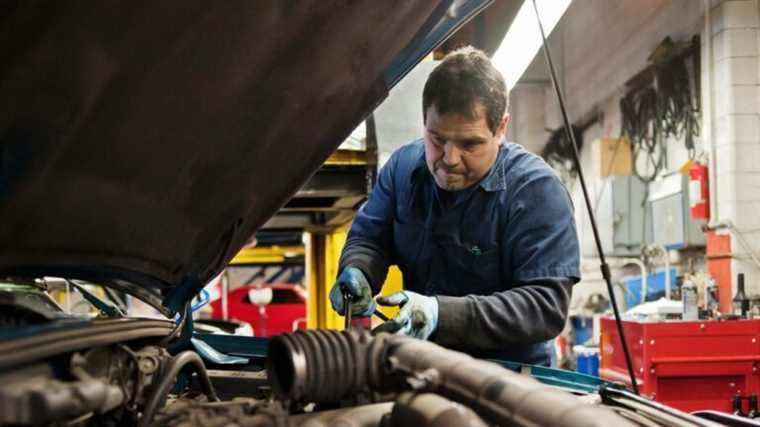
(323, 209)
(274, 254)
(322, 256)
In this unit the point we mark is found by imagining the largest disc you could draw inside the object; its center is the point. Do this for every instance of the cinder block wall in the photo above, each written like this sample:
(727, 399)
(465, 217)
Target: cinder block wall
(735, 126)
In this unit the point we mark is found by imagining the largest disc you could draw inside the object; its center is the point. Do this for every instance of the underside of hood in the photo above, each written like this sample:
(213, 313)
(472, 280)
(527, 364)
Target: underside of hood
(147, 141)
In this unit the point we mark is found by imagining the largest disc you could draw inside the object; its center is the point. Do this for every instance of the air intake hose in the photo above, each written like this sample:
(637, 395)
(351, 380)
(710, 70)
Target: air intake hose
(326, 366)
(322, 365)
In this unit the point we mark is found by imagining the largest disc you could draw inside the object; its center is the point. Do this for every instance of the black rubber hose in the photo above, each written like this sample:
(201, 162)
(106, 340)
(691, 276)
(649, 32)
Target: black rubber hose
(173, 368)
(321, 366)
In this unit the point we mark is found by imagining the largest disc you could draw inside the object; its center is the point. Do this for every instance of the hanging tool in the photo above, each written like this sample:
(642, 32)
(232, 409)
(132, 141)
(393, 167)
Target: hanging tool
(576, 158)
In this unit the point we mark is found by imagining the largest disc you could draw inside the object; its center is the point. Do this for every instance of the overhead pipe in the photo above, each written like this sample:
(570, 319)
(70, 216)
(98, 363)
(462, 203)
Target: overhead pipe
(644, 274)
(662, 251)
(666, 254)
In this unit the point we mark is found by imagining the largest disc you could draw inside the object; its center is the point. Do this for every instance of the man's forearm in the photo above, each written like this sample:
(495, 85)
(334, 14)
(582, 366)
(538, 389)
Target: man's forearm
(531, 313)
(367, 257)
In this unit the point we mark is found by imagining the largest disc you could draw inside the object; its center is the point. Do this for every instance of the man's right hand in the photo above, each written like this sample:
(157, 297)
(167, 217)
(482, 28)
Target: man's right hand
(352, 282)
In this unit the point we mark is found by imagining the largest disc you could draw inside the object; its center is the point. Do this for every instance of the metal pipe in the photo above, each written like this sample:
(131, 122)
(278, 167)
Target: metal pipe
(644, 277)
(666, 254)
(498, 395)
(429, 409)
(356, 416)
(662, 251)
(303, 366)
(707, 119)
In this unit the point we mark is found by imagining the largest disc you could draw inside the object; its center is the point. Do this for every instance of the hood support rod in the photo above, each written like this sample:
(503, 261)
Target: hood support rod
(576, 158)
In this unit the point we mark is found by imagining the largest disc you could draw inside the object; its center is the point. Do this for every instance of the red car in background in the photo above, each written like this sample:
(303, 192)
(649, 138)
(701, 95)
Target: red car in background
(271, 309)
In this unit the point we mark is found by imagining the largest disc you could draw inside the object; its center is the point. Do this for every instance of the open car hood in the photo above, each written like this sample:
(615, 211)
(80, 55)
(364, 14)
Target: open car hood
(145, 142)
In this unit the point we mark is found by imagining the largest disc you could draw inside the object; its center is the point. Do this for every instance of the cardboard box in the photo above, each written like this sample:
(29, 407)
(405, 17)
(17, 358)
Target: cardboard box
(615, 157)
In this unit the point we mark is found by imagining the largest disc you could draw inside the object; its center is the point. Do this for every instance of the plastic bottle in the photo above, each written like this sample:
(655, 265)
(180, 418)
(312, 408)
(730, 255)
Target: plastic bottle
(753, 410)
(737, 404)
(689, 299)
(711, 297)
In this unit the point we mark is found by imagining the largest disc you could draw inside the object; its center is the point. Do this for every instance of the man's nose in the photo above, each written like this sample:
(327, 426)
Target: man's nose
(451, 155)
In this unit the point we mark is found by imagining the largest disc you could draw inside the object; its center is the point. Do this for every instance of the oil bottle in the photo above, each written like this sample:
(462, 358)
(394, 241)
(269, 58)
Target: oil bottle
(711, 298)
(740, 303)
(689, 298)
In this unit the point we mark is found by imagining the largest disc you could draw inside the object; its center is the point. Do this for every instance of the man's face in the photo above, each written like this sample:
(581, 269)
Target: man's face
(460, 150)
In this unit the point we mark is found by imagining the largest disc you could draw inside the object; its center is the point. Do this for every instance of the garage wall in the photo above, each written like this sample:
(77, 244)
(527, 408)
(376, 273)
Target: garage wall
(398, 119)
(598, 46)
(527, 124)
(606, 42)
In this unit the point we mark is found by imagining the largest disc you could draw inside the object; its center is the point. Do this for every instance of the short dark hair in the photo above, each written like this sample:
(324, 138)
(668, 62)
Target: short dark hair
(464, 77)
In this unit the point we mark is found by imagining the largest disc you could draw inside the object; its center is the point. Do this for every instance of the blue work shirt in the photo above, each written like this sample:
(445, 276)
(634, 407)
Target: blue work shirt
(501, 256)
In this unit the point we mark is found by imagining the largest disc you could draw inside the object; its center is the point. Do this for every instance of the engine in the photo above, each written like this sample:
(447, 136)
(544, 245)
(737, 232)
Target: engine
(314, 378)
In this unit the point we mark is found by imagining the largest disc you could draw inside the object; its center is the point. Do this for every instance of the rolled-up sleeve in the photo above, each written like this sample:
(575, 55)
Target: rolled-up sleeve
(542, 240)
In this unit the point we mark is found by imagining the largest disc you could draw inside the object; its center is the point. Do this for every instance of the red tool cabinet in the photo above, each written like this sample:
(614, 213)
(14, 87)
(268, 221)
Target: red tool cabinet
(687, 365)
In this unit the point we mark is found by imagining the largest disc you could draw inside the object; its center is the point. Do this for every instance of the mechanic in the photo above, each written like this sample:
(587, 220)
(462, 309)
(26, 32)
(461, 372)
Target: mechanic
(482, 230)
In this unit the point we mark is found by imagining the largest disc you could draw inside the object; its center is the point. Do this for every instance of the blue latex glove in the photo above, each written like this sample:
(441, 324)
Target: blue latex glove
(352, 281)
(417, 318)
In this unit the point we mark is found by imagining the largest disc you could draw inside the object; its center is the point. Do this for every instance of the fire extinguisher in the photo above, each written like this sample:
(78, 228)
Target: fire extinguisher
(699, 195)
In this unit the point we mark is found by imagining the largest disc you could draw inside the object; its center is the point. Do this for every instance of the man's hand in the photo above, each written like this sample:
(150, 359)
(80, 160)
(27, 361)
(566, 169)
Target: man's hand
(352, 282)
(417, 318)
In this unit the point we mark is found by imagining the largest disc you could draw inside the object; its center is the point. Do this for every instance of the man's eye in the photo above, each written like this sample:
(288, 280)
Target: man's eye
(438, 141)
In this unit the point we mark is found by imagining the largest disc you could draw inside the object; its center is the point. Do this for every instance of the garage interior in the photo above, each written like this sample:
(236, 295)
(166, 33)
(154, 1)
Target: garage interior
(652, 229)
(664, 102)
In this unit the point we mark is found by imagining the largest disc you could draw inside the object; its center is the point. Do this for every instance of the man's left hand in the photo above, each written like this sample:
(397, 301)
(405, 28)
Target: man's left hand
(417, 318)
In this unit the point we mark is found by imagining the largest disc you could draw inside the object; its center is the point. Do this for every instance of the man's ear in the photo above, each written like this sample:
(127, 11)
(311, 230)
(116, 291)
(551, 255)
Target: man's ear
(503, 125)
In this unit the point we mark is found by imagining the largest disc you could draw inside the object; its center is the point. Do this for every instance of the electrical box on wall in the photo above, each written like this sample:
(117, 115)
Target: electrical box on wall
(622, 217)
(630, 231)
(672, 225)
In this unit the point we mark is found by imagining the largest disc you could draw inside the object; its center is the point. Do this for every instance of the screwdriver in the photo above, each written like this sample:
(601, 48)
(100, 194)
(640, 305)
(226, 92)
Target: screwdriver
(347, 302)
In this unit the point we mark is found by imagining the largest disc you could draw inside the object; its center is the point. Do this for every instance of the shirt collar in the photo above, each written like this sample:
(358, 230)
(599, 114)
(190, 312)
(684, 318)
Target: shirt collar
(420, 167)
(493, 181)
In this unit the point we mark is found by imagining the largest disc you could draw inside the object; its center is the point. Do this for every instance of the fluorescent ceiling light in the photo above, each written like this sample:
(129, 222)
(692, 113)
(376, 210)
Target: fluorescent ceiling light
(523, 40)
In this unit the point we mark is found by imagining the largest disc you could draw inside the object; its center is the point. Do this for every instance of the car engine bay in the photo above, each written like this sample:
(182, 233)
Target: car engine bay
(124, 372)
